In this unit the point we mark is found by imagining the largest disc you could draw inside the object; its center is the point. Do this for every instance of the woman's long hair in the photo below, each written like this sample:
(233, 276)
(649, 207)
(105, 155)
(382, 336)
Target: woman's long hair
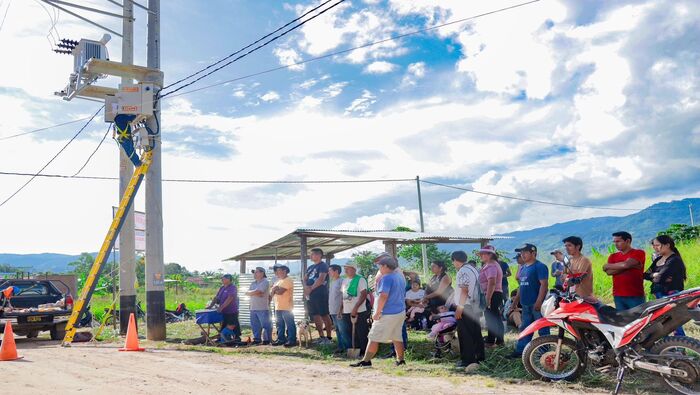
(441, 265)
(668, 240)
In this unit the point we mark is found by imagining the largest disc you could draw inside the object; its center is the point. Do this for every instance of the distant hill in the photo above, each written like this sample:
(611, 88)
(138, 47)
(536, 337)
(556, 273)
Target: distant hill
(596, 232)
(39, 263)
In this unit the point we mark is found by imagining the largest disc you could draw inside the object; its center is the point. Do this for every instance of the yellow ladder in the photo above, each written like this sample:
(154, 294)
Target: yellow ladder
(91, 281)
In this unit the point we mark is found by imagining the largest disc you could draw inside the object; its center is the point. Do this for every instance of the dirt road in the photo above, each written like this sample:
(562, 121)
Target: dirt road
(48, 368)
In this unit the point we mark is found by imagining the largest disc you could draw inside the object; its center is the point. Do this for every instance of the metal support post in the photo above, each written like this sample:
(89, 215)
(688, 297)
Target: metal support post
(424, 251)
(127, 240)
(155, 266)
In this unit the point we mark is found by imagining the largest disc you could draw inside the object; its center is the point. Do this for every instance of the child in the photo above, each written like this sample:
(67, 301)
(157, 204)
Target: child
(513, 318)
(228, 334)
(414, 301)
(445, 319)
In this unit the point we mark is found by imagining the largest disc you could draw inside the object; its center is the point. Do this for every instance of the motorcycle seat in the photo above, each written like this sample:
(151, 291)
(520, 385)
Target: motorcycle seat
(609, 315)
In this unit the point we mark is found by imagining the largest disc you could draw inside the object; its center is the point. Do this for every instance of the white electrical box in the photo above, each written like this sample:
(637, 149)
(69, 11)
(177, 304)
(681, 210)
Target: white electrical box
(135, 99)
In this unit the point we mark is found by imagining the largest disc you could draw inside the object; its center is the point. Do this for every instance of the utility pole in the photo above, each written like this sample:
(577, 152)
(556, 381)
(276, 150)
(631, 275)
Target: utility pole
(422, 228)
(127, 247)
(690, 208)
(155, 267)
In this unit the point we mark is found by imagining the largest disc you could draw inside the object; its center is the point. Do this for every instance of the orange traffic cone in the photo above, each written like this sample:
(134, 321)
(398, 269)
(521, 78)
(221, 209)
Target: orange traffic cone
(8, 350)
(132, 336)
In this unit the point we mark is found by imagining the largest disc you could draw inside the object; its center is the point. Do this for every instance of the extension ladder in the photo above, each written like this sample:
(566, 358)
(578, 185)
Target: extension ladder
(91, 281)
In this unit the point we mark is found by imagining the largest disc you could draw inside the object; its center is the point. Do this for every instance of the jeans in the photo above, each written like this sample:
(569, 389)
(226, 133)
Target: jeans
(628, 302)
(471, 344)
(494, 324)
(342, 332)
(529, 315)
(679, 331)
(259, 321)
(285, 323)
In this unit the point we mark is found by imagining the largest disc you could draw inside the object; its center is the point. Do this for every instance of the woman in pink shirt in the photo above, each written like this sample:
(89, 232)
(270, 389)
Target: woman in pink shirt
(490, 282)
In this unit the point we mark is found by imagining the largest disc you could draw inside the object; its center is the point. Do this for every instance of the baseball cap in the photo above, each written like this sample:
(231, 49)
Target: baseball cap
(280, 266)
(556, 251)
(526, 247)
(261, 270)
(351, 264)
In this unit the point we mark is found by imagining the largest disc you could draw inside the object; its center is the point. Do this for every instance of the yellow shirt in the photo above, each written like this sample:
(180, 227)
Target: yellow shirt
(285, 301)
(581, 264)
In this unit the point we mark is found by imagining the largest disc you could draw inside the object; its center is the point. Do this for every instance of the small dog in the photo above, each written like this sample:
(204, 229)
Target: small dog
(303, 333)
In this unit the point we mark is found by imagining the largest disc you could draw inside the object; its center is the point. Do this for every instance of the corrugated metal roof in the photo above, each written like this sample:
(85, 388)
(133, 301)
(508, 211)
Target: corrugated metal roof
(334, 241)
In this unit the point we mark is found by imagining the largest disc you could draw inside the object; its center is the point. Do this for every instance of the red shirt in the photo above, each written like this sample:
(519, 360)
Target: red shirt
(631, 281)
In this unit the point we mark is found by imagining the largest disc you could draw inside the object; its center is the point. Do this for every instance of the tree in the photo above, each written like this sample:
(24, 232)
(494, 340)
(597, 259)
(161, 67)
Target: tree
(682, 232)
(365, 262)
(175, 268)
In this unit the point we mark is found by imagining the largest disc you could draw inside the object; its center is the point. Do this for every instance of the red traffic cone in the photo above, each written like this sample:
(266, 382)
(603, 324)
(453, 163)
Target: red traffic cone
(132, 336)
(8, 350)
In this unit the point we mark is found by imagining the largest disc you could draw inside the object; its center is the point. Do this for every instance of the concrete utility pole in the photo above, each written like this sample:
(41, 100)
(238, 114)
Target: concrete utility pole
(155, 267)
(692, 220)
(127, 243)
(424, 250)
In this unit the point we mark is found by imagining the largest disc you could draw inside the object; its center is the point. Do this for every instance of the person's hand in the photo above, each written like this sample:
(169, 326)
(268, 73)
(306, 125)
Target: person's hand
(354, 312)
(655, 276)
(339, 316)
(218, 309)
(377, 316)
(307, 290)
(538, 306)
(458, 312)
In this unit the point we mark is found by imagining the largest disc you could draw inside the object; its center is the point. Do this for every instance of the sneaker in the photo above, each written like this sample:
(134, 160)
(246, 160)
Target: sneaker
(461, 365)
(289, 345)
(255, 343)
(471, 368)
(399, 363)
(361, 364)
(515, 355)
(265, 343)
(277, 343)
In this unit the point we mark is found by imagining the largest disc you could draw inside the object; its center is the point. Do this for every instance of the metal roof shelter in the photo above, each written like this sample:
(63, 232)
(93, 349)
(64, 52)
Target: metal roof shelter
(296, 244)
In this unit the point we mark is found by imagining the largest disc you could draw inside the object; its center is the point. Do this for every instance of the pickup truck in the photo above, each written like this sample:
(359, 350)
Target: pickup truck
(36, 305)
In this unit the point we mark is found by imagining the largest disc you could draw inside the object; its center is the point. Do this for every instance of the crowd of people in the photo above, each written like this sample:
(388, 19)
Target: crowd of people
(338, 298)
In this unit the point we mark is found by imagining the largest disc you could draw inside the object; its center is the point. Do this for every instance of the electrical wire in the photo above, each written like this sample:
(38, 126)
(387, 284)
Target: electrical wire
(95, 151)
(522, 199)
(249, 45)
(44, 128)
(9, 3)
(302, 23)
(370, 44)
(34, 176)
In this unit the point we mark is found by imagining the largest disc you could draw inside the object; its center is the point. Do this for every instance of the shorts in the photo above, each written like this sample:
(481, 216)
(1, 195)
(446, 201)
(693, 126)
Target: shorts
(318, 302)
(388, 328)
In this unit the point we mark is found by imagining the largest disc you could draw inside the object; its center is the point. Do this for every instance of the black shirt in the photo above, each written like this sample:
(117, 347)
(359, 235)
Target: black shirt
(672, 275)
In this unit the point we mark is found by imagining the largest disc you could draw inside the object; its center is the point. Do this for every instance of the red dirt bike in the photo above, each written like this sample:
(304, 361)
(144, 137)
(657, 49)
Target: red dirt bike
(634, 339)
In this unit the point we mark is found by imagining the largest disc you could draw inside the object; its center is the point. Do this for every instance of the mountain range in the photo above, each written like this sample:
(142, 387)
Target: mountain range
(595, 232)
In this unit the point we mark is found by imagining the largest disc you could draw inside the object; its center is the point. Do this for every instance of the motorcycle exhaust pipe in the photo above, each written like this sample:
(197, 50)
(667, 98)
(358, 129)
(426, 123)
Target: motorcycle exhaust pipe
(653, 367)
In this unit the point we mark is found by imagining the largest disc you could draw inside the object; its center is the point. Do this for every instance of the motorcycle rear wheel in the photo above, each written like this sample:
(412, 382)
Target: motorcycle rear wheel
(539, 355)
(685, 348)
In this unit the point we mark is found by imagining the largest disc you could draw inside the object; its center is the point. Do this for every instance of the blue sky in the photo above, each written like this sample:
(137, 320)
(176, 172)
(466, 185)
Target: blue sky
(592, 105)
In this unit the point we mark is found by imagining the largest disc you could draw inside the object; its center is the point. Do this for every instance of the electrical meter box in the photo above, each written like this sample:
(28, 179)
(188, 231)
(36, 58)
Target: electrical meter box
(134, 99)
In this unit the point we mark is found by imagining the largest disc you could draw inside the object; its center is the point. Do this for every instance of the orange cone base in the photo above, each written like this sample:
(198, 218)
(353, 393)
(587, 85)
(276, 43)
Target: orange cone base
(132, 349)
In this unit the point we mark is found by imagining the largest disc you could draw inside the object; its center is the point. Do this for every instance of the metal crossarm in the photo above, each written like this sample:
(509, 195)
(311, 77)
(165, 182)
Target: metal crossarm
(91, 281)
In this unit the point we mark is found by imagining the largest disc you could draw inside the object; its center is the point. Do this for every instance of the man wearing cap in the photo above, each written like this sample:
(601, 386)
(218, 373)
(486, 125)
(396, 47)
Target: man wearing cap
(227, 300)
(558, 269)
(282, 294)
(316, 292)
(260, 307)
(354, 296)
(533, 279)
(389, 311)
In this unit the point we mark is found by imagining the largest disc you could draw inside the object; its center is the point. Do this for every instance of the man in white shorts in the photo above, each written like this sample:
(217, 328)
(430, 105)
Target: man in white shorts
(389, 312)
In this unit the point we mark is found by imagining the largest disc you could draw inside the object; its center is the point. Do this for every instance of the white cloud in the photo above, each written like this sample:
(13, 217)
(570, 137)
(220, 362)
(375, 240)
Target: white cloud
(380, 67)
(362, 104)
(414, 72)
(270, 96)
(288, 57)
(239, 93)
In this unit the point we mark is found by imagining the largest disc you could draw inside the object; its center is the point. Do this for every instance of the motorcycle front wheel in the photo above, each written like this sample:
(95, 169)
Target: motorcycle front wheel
(685, 354)
(540, 359)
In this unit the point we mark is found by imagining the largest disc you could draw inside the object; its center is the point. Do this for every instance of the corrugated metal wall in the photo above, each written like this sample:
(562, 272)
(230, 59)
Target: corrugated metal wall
(244, 281)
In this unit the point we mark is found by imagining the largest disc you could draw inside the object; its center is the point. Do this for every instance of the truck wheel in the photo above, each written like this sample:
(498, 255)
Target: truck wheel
(58, 332)
(32, 334)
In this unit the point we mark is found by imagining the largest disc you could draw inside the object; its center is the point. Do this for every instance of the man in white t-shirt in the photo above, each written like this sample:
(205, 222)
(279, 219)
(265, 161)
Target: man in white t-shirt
(354, 290)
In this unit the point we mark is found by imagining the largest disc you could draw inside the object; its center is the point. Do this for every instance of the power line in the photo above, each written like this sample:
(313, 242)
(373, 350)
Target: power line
(302, 23)
(170, 94)
(344, 51)
(95, 151)
(249, 45)
(45, 128)
(5, 16)
(200, 181)
(522, 199)
(34, 176)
